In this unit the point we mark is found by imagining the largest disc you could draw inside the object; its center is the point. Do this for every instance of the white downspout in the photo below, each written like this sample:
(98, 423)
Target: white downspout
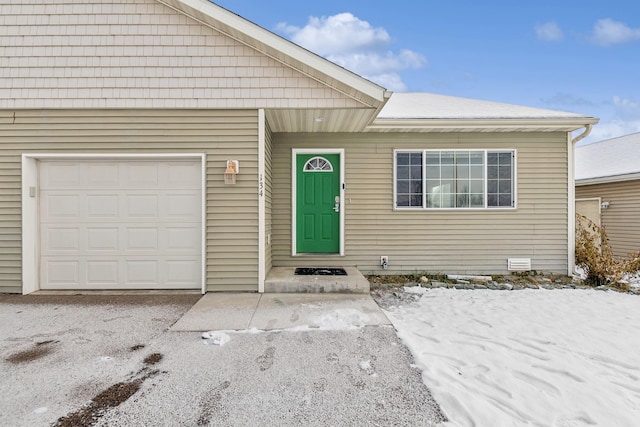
(262, 268)
(571, 244)
(587, 131)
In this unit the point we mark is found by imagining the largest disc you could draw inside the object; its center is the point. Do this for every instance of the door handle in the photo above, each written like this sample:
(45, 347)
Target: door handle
(336, 207)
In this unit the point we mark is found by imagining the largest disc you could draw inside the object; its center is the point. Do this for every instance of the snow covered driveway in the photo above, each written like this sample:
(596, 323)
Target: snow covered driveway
(530, 357)
(106, 360)
(58, 352)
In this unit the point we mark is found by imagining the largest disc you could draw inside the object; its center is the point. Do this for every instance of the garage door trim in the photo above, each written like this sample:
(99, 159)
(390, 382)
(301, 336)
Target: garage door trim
(30, 218)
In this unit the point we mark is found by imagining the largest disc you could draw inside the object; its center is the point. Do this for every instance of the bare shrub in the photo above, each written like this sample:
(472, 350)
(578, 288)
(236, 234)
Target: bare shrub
(595, 256)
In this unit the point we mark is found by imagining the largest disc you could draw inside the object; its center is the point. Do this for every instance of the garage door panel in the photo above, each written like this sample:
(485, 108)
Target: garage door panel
(102, 206)
(61, 240)
(103, 239)
(102, 274)
(182, 273)
(64, 206)
(142, 205)
(140, 227)
(180, 206)
(61, 274)
(183, 239)
(60, 175)
(101, 174)
(141, 175)
(141, 239)
(123, 274)
(182, 177)
(141, 272)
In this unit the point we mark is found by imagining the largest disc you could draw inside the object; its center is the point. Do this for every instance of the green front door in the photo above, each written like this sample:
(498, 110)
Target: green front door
(318, 203)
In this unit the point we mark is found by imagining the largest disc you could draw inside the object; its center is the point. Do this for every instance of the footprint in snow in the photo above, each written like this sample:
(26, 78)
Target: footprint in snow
(265, 360)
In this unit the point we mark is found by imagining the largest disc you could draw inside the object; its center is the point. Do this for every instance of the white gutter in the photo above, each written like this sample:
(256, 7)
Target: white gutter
(560, 124)
(608, 179)
(571, 193)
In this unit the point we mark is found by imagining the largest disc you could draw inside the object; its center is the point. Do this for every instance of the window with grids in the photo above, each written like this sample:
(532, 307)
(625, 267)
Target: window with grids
(454, 179)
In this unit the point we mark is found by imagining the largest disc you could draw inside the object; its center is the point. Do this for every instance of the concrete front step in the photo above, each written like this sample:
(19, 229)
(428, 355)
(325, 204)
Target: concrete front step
(283, 280)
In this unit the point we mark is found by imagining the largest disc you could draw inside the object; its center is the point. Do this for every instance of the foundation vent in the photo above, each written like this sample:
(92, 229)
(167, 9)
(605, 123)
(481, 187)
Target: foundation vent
(519, 264)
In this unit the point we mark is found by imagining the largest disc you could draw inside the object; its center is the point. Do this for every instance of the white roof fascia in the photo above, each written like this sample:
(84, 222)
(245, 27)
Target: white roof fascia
(608, 179)
(433, 112)
(564, 124)
(263, 36)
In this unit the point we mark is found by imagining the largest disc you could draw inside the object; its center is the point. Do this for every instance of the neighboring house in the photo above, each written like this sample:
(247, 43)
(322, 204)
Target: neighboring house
(608, 185)
(121, 123)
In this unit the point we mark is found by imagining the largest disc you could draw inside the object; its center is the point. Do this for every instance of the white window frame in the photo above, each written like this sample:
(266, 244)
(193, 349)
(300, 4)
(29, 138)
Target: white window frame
(424, 207)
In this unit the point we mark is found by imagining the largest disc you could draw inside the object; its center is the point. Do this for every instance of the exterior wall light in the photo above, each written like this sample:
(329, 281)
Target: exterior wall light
(231, 172)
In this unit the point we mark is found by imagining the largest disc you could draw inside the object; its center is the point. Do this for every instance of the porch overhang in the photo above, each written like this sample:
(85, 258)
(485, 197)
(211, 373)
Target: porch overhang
(320, 120)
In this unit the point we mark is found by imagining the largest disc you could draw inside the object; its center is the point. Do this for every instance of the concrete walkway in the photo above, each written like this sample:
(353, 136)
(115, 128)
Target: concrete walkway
(239, 311)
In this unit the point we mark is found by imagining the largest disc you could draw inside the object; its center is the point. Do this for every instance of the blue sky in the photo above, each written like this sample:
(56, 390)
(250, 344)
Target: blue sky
(580, 56)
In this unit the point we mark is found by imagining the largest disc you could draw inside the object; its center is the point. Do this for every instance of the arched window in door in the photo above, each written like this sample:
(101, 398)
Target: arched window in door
(318, 164)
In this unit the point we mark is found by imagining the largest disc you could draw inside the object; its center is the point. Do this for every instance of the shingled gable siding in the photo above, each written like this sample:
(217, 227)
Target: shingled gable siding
(138, 54)
(446, 242)
(620, 219)
(232, 210)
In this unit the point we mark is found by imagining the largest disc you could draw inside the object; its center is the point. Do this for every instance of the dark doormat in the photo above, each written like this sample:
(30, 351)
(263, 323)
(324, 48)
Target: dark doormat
(320, 271)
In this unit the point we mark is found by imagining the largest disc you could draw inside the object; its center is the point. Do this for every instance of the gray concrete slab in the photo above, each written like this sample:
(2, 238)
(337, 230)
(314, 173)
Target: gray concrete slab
(285, 311)
(265, 312)
(219, 311)
(284, 279)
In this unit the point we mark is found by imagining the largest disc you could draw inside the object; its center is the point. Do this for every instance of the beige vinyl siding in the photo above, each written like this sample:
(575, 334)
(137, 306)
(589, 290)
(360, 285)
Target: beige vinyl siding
(452, 241)
(10, 223)
(231, 211)
(620, 219)
(268, 197)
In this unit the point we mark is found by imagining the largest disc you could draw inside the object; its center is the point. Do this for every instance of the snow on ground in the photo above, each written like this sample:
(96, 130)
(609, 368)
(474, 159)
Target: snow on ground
(215, 338)
(530, 357)
(633, 280)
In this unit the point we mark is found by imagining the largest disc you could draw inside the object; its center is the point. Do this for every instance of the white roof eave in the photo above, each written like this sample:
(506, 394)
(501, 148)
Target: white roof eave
(262, 37)
(561, 124)
(608, 179)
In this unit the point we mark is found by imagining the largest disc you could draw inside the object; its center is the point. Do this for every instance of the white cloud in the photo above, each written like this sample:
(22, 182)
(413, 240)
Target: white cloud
(566, 100)
(337, 34)
(549, 32)
(613, 129)
(624, 120)
(390, 81)
(626, 108)
(607, 32)
(357, 46)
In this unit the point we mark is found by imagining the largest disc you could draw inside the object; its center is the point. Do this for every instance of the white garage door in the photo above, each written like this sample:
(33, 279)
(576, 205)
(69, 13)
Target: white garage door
(120, 224)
